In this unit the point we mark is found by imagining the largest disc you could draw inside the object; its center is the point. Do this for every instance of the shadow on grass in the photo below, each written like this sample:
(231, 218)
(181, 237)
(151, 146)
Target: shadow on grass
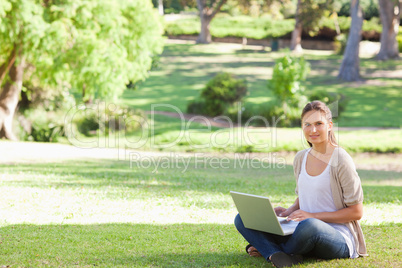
(172, 176)
(176, 245)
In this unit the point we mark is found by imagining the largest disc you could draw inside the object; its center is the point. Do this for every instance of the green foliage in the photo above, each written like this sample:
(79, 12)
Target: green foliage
(373, 24)
(100, 118)
(340, 43)
(399, 40)
(370, 8)
(196, 107)
(246, 26)
(272, 114)
(175, 6)
(238, 26)
(219, 93)
(93, 47)
(264, 27)
(189, 26)
(313, 11)
(225, 87)
(45, 126)
(286, 80)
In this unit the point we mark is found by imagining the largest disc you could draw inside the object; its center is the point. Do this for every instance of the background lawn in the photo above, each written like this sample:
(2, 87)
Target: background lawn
(184, 69)
(65, 206)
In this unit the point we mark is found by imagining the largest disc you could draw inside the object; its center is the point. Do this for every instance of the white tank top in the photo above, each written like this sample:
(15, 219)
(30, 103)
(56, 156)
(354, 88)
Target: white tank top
(315, 196)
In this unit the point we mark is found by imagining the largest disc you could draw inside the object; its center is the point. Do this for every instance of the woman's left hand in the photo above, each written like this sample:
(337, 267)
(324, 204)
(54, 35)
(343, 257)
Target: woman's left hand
(299, 215)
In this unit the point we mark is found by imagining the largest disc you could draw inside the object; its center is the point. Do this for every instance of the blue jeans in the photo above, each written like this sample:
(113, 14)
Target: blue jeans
(312, 237)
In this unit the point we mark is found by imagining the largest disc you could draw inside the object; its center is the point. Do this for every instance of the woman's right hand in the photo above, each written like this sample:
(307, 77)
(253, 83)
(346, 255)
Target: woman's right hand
(282, 212)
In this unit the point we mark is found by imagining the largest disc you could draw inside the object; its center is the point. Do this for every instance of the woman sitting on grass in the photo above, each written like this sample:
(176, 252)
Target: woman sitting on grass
(329, 202)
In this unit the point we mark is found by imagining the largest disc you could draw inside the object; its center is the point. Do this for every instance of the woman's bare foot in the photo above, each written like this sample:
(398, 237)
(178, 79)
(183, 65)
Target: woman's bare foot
(253, 252)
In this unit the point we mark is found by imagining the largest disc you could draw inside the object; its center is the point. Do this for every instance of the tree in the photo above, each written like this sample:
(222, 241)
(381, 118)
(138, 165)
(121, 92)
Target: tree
(208, 10)
(295, 42)
(160, 7)
(390, 18)
(349, 70)
(308, 15)
(90, 47)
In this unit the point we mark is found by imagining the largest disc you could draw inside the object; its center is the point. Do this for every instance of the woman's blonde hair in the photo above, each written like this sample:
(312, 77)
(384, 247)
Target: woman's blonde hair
(321, 107)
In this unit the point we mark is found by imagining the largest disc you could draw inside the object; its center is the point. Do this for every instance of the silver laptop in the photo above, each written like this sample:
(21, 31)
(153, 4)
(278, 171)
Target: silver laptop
(257, 213)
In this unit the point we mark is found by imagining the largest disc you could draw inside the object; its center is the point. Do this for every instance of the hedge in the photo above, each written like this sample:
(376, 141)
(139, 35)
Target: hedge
(265, 27)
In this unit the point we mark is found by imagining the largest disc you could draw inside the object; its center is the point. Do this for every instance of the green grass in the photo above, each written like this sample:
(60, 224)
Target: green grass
(185, 69)
(110, 213)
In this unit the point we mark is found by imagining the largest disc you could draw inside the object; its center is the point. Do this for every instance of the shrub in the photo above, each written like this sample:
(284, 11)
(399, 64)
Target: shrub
(219, 93)
(196, 107)
(104, 118)
(271, 114)
(236, 26)
(286, 80)
(265, 27)
(44, 126)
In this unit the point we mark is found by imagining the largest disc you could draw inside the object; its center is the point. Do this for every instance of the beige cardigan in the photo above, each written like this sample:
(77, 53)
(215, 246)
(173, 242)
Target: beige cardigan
(345, 186)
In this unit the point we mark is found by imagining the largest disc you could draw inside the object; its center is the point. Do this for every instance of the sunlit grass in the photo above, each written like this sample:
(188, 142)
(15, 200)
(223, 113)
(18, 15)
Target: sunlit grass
(171, 210)
(116, 213)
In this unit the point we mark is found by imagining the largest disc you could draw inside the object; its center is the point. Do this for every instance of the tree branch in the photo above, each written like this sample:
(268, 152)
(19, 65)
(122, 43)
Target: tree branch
(7, 65)
(217, 8)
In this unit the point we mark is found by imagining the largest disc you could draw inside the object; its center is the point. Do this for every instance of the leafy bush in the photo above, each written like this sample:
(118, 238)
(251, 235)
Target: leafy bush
(238, 26)
(41, 113)
(189, 26)
(246, 26)
(104, 118)
(271, 115)
(44, 126)
(219, 93)
(286, 80)
(265, 27)
(196, 107)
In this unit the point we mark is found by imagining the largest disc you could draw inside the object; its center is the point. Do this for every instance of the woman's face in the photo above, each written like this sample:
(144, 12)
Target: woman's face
(315, 127)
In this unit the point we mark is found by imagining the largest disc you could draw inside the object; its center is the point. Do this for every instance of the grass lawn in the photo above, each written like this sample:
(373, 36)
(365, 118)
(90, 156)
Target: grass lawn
(184, 69)
(59, 209)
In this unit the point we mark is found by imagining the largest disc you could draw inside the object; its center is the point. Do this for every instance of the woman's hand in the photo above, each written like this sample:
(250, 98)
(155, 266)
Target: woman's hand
(282, 212)
(300, 215)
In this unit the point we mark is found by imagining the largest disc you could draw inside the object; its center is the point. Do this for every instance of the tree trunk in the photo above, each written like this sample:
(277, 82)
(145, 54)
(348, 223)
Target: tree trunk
(9, 98)
(207, 13)
(295, 42)
(349, 70)
(160, 7)
(205, 34)
(390, 18)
